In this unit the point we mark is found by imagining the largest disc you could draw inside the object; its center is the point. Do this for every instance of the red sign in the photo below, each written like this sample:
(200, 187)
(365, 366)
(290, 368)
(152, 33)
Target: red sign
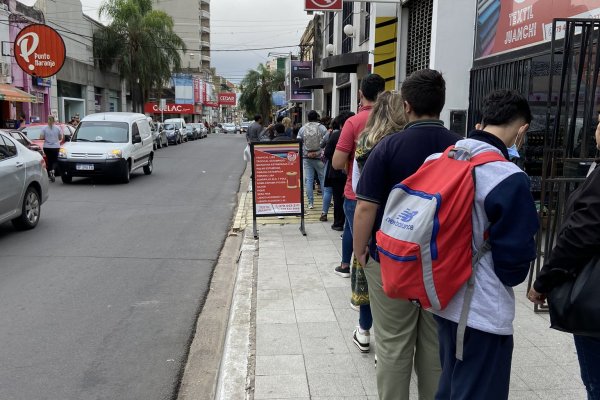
(277, 179)
(323, 5)
(197, 98)
(504, 25)
(227, 99)
(39, 50)
(154, 108)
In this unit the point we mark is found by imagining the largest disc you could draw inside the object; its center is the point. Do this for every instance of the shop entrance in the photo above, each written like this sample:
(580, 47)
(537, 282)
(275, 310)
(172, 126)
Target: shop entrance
(569, 146)
(71, 106)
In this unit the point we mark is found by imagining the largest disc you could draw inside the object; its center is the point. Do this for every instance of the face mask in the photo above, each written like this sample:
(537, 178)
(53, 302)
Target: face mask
(513, 152)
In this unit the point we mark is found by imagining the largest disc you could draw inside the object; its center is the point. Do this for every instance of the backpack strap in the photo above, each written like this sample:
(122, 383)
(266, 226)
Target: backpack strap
(487, 157)
(464, 315)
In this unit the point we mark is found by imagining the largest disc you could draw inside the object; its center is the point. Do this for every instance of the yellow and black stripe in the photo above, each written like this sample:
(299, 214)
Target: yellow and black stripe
(386, 38)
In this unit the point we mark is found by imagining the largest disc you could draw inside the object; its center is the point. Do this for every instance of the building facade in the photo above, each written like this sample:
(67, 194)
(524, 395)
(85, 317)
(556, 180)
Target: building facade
(192, 24)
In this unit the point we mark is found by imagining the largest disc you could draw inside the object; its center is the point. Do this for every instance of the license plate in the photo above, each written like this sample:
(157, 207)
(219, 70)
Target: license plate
(84, 167)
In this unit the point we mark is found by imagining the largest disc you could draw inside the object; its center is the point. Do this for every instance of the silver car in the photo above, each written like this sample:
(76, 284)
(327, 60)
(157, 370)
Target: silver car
(24, 183)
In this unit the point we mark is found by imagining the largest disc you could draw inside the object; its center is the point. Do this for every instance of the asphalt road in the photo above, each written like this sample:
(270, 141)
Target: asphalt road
(100, 300)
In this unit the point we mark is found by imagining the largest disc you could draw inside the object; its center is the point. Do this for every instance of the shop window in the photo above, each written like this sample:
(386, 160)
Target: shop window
(345, 99)
(330, 27)
(365, 14)
(347, 19)
(420, 14)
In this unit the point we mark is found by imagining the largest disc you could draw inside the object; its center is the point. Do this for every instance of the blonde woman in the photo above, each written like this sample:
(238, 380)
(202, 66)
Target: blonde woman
(287, 122)
(386, 118)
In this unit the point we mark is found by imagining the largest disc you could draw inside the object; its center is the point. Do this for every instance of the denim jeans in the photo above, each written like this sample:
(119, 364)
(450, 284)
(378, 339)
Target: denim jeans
(588, 353)
(312, 165)
(365, 319)
(349, 207)
(327, 196)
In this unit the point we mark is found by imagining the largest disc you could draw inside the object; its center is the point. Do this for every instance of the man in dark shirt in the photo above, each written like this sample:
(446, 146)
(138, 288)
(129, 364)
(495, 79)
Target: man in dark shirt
(255, 130)
(404, 332)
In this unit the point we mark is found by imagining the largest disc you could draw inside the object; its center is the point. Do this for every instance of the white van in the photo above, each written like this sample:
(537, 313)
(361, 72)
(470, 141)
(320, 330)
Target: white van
(108, 144)
(180, 125)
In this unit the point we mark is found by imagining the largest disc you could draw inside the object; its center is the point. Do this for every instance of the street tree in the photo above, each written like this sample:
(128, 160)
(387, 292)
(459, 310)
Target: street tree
(257, 88)
(141, 43)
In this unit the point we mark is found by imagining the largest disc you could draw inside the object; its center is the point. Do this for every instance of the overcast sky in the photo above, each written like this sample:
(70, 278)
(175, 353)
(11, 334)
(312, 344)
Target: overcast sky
(244, 24)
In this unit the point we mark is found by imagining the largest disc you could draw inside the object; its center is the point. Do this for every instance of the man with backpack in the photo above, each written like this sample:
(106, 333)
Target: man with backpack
(311, 136)
(505, 222)
(405, 333)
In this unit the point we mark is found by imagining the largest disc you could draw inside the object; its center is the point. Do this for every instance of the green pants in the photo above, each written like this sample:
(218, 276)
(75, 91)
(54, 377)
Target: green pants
(403, 333)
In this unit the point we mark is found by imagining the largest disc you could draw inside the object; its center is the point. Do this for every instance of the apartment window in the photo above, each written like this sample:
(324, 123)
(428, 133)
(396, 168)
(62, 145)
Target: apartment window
(347, 20)
(419, 35)
(365, 14)
(330, 27)
(345, 99)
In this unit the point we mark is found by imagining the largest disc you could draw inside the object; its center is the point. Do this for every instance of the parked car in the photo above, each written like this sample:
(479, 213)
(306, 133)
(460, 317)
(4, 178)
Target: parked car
(108, 144)
(228, 128)
(160, 136)
(201, 129)
(24, 183)
(24, 140)
(34, 132)
(173, 133)
(181, 126)
(192, 132)
(244, 126)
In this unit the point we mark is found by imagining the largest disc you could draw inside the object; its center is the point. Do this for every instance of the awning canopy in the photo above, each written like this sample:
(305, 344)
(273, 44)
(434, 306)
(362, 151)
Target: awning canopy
(316, 83)
(10, 93)
(345, 62)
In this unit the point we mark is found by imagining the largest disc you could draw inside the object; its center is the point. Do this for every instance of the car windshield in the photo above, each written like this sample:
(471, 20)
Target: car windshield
(33, 132)
(169, 127)
(102, 131)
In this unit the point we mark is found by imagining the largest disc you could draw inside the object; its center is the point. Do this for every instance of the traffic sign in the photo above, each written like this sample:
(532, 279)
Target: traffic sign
(323, 5)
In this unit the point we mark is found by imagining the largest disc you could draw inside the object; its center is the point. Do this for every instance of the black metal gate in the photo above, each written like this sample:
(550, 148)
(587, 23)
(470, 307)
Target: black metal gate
(572, 115)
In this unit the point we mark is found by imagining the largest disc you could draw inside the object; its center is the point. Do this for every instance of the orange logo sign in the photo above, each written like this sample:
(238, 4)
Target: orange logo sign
(39, 50)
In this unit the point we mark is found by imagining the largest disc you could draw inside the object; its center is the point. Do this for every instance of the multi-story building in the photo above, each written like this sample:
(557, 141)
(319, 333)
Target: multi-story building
(192, 24)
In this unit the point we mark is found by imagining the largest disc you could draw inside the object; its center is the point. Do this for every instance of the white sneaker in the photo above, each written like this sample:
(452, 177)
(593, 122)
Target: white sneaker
(355, 308)
(310, 206)
(361, 340)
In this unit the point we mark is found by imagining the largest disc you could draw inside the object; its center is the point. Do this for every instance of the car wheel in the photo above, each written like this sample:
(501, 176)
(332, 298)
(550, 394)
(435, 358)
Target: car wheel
(66, 178)
(126, 174)
(30, 213)
(149, 167)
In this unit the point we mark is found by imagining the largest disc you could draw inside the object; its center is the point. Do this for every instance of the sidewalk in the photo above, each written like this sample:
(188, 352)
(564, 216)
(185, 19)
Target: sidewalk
(304, 325)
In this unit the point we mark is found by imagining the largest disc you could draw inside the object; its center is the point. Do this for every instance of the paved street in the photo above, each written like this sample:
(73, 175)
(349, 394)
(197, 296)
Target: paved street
(99, 301)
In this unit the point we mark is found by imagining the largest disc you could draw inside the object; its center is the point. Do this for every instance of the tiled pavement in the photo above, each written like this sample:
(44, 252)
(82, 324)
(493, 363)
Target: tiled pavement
(304, 324)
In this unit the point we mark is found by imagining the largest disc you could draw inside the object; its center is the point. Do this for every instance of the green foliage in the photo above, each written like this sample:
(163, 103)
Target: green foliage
(140, 42)
(257, 87)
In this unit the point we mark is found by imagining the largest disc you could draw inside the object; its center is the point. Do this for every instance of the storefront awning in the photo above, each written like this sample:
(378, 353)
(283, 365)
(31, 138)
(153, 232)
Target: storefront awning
(346, 62)
(316, 83)
(10, 93)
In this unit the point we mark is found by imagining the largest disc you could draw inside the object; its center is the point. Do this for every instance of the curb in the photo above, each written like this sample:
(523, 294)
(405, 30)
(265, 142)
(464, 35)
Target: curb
(213, 363)
(236, 373)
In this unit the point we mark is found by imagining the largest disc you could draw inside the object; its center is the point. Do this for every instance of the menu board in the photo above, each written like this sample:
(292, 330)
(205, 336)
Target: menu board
(277, 178)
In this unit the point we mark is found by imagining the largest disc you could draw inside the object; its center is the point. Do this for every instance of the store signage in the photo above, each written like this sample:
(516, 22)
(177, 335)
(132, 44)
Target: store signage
(170, 108)
(42, 82)
(39, 50)
(505, 25)
(277, 178)
(227, 99)
(300, 70)
(323, 5)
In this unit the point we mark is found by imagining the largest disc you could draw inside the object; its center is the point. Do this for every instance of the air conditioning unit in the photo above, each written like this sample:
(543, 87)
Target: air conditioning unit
(4, 69)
